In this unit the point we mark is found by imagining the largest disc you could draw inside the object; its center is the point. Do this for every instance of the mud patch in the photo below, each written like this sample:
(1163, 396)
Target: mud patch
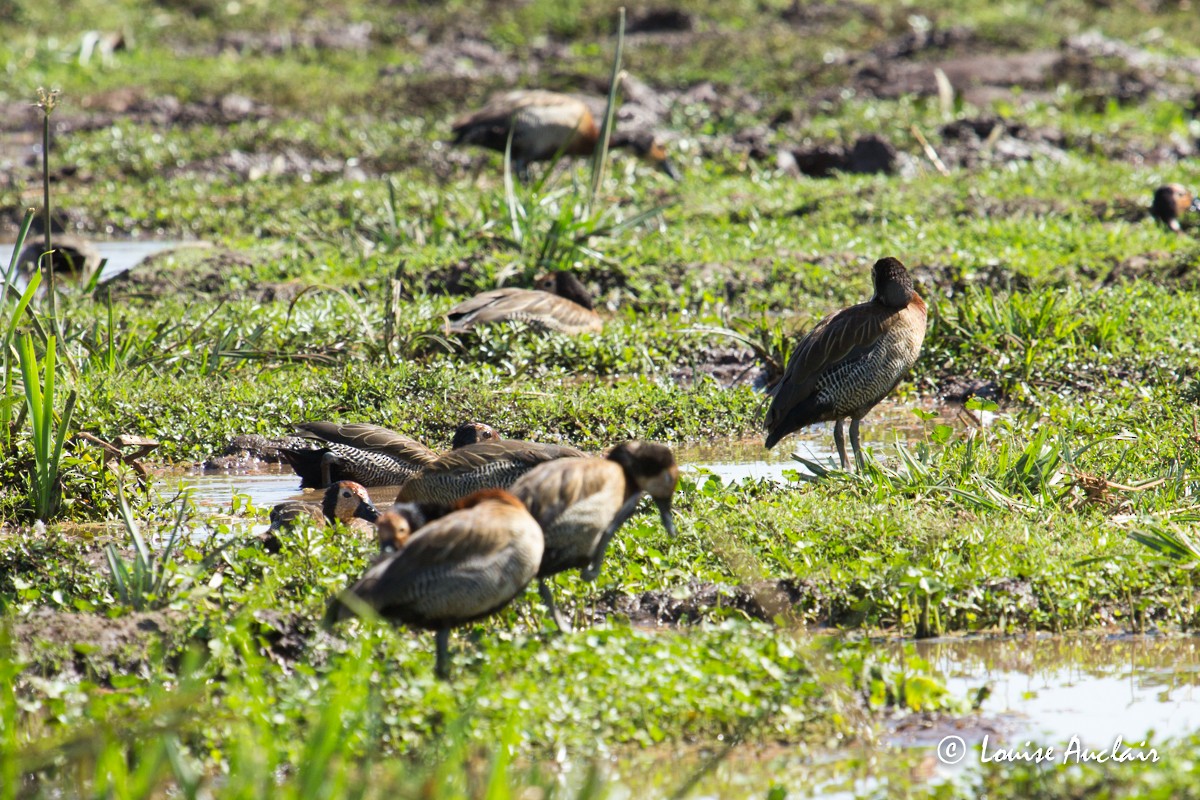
(87, 646)
(124, 105)
(728, 366)
(698, 601)
(193, 271)
(969, 142)
(961, 388)
(952, 279)
(310, 35)
(868, 155)
(1159, 267)
(288, 163)
(248, 451)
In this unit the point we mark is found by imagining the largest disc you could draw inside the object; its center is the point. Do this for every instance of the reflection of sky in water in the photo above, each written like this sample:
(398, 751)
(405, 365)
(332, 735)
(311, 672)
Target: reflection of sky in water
(1097, 688)
(124, 256)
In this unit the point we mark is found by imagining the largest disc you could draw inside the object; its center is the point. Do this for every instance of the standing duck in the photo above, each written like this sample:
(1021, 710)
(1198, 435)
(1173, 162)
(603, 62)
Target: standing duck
(1170, 203)
(580, 504)
(367, 454)
(560, 303)
(850, 361)
(545, 124)
(453, 571)
(345, 501)
(487, 465)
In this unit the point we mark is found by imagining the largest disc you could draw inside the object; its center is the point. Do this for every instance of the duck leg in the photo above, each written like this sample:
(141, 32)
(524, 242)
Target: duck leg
(442, 669)
(854, 443)
(839, 438)
(548, 599)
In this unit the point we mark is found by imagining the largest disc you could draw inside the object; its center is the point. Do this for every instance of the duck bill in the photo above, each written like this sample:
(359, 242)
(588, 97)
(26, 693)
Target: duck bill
(366, 511)
(668, 167)
(664, 512)
(1195, 206)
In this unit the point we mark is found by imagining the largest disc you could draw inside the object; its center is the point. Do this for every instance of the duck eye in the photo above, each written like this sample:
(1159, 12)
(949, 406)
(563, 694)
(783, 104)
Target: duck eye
(345, 494)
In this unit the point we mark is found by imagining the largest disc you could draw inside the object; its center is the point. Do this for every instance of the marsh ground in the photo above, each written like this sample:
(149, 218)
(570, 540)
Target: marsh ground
(306, 147)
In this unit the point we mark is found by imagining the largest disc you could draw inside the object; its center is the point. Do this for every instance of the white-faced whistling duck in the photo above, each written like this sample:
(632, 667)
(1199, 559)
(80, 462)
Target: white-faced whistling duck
(560, 303)
(487, 465)
(545, 125)
(367, 454)
(582, 502)
(346, 502)
(850, 361)
(1170, 203)
(453, 571)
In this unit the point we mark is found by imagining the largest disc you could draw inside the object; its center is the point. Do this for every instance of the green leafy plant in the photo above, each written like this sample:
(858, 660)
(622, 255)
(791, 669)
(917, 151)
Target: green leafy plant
(48, 437)
(145, 581)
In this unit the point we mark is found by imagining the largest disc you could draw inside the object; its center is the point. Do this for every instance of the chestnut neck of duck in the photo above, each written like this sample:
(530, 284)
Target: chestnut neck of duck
(893, 286)
(567, 286)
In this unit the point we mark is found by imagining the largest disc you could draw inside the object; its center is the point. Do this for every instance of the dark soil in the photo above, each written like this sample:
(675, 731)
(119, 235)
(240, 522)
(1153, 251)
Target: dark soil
(249, 451)
(209, 276)
(728, 366)
(90, 646)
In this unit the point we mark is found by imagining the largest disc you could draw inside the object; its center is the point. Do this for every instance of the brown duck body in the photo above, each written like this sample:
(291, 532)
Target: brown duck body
(1171, 202)
(580, 503)
(560, 304)
(545, 124)
(367, 454)
(851, 360)
(487, 465)
(454, 570)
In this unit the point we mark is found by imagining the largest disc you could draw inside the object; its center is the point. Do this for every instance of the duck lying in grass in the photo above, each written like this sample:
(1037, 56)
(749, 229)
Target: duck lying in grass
(544, 125)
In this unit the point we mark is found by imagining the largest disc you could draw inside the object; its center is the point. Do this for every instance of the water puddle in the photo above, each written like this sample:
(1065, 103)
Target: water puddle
(1098, 688)
(121, 255)
(125, 255)
(889, 425)
(1045, 691)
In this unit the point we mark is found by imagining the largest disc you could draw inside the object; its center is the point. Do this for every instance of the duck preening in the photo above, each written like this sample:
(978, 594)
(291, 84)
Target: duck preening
(850, 361)
(560, 303)
(580, 504)
(367, 454)
(544, 125)
(452, 571)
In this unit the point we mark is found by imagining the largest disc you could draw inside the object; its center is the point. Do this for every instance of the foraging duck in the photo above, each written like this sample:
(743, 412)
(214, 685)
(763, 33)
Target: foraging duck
(560, 303)
(345, 501)
(850, 361)
(367, 454)
(1172, 201)
(545, 124)
(580, 504)
(453, 571)
(487, 465)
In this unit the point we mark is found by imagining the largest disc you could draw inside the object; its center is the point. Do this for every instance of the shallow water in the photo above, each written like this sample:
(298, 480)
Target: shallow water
(1045, 690)
(1052, 688)
(122, 255)
(125, 255)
